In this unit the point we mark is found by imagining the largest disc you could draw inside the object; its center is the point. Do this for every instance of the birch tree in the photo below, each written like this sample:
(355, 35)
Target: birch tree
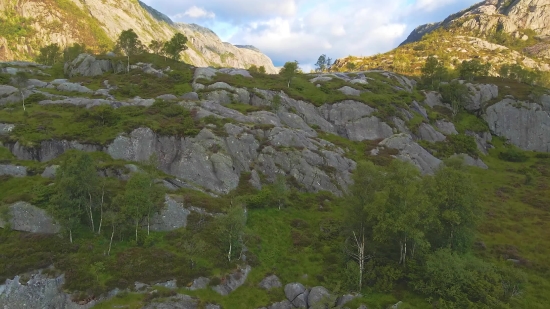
(401, 213)
(130, 44)
(138, 199)
(74, 185)
(367, 182)
(230, 230)
(289, 71)
(454, 195)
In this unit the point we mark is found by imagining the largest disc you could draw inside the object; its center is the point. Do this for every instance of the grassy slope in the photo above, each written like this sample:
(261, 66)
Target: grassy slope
(289, 242)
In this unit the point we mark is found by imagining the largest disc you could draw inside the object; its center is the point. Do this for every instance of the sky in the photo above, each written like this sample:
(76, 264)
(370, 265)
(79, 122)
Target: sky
(302, 30)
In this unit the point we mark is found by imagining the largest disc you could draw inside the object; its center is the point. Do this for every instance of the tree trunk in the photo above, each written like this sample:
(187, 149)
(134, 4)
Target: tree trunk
(71, 235)
(111, 241)
(23, 98)
(137, 223)
(101, 209)
(91, 214)
(148, 225)
(230, 247)
(128, 64)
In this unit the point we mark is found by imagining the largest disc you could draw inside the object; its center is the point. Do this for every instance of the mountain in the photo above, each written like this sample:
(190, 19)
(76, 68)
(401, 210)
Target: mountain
(29, 25)
(215, 140)
(483, 18)
(500, 32)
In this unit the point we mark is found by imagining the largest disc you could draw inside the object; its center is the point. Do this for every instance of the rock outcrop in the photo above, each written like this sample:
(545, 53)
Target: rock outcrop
(38, 292)
(25, 217)
(233, 281)
(410, 151)
(483, 17)
(524, 124)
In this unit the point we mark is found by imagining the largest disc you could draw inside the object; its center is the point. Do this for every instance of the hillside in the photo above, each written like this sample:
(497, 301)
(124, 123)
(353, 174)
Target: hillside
(28, 25)
(259, 187)
(499, 32)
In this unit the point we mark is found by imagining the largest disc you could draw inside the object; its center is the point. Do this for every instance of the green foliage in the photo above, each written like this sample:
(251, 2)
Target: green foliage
(175, 46)
(454, 144)
(456, 199)
(463, 281)
(433, 72)
(289, 71)
(4, 79)
(512, 154)
(321, 64)
(13, 26)
(473, 68)
(70, 53)
(49, 55)
(520, 74)
(130, 44)
(76, 179)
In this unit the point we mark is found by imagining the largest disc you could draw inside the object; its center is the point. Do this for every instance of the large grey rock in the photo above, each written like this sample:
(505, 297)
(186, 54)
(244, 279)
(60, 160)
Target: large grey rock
(320, 297)
(344, 112)
(419, 109)
(235, 71)
(233, 281)
(6, 128)
(199, 284)
(433, 99)
(6, 90)
(13, 170)
(38, 292)
(88, 103)
(88, 65)
(344, 299)
(368, 128)
(180, 301)
(479, 95)
(410, 151)
(483, 141)
(319, 79)
(526, 125)
(447, 128)
(347, 90)
(270, 282)
(297, 294)
(206, 73)
(49, 172)
(167, 97)
(220, 86)
(25, 217)
(220, 96)
(191, 96)
(36, 83)
(171, 217)
(285, 304)
(74, 87)
(428, 133)
(48, 150)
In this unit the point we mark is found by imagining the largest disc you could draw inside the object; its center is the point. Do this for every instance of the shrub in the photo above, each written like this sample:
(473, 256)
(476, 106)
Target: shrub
(4, 79)
(462, 281)
(513, 155)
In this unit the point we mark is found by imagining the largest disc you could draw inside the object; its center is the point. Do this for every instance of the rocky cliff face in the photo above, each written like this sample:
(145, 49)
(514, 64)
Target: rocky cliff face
(484, 17)
(97, 23)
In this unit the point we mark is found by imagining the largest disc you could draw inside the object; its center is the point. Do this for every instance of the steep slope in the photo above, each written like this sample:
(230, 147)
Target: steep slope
(227, 143)
(29, 25)
(513, 17)
(499, 32)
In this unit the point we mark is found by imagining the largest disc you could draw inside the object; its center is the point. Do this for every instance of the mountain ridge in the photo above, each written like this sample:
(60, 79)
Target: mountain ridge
(97, 23)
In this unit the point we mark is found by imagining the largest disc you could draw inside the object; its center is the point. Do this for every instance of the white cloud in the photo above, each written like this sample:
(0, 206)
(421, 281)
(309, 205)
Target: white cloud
(195, 12)
(304, 29)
